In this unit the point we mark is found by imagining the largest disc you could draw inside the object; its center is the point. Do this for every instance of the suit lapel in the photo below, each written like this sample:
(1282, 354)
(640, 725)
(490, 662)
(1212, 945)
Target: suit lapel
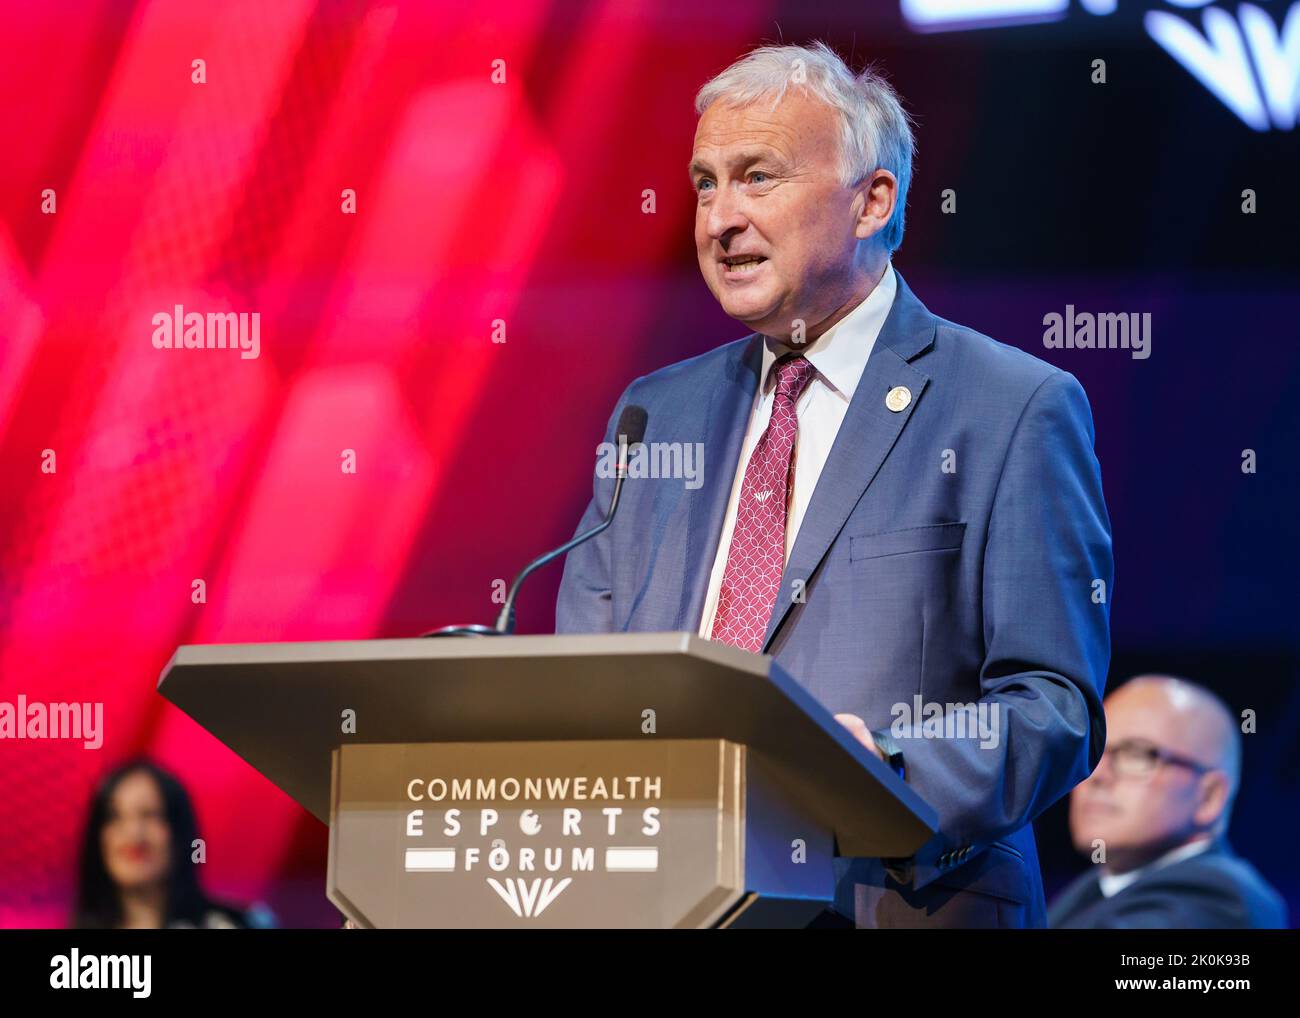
(726, 419)
(865, 438)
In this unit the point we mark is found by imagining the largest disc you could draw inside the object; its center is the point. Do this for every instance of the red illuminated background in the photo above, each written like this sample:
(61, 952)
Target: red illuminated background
(376, 336)
(519, 201)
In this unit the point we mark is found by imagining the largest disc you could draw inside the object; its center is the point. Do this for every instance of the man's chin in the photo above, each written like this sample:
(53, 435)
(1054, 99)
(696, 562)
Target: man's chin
(753, 313)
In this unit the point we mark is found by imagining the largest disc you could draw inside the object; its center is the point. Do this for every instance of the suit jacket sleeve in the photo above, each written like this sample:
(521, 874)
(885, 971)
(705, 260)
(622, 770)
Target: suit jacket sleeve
(1047, 579)
(584, 604)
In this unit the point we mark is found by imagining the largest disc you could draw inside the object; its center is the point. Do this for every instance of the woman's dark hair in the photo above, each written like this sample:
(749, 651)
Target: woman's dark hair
(98, 905)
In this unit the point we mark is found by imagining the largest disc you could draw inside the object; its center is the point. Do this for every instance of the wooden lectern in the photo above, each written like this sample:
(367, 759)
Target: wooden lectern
(617, 780)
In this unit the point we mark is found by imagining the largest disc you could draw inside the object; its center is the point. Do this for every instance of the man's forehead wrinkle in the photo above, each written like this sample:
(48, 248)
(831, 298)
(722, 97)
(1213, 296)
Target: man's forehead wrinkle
(721, 137)
(741, 157)
(731, 124)
(744, 147)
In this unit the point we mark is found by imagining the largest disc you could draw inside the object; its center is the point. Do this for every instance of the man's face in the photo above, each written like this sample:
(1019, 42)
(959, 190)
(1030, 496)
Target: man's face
(1137, 817)
(767, 185)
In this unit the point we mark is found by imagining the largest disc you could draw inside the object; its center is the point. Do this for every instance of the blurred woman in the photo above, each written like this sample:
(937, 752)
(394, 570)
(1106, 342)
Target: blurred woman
(137, 871)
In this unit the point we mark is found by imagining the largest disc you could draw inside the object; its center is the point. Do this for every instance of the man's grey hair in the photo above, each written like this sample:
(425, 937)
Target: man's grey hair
(875, 131)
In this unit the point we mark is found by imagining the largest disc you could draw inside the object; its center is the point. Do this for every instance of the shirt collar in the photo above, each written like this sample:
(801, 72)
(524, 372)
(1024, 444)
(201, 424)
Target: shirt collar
(1112, 883)
(839, 355)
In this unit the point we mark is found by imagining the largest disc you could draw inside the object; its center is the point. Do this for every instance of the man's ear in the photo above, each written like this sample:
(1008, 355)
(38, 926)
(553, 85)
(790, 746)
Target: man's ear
(878, 194)
(1213, 798)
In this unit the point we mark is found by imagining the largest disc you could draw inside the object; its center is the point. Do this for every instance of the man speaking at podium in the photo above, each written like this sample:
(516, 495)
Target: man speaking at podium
(906, 514)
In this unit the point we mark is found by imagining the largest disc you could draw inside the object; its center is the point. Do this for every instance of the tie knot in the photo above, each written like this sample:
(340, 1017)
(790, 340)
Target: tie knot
(792, 373)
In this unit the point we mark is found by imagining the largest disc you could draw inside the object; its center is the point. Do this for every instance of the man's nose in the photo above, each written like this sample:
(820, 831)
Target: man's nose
(726, 214)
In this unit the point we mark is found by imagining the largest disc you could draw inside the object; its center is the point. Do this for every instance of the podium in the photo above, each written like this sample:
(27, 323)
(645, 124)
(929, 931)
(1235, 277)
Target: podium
(613, 780)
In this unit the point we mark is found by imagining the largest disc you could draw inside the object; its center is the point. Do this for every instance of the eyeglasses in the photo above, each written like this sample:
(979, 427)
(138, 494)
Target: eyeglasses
(1135, 758)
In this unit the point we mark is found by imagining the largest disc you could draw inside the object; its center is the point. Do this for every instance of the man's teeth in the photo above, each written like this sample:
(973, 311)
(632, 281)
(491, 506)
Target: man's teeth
(748, 263)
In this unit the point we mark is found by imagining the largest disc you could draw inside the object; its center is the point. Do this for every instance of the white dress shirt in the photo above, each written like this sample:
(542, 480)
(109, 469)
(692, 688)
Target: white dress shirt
(839, 356)
(1112, 883)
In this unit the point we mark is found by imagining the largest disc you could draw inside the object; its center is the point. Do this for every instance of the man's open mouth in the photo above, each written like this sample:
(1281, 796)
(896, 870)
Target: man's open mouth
(739, 265)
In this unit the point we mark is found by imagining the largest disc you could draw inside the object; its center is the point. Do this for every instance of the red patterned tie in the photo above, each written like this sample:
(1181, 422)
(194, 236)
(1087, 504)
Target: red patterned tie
(756, 557)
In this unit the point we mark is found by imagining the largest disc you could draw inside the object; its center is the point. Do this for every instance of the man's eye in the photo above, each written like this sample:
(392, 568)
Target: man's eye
(758, 177)
(703, 184)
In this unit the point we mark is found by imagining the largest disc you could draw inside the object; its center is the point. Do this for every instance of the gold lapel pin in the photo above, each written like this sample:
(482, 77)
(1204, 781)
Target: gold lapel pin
(898, 398)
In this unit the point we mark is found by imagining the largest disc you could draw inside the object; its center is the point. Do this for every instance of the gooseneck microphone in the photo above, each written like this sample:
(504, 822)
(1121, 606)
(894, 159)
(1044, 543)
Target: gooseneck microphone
(630, 432)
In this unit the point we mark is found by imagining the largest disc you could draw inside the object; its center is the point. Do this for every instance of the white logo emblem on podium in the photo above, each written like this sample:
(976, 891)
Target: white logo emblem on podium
(529, 898)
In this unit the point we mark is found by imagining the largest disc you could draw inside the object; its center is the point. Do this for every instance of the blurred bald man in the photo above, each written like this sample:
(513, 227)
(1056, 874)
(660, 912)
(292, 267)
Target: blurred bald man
(1159, 804)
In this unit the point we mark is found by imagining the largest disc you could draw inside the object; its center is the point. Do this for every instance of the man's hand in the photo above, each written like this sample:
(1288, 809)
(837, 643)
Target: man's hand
(860, 731)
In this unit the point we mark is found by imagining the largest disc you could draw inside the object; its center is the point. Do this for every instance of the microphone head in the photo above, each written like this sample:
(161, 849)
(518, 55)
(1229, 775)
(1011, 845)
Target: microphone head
(631, 425)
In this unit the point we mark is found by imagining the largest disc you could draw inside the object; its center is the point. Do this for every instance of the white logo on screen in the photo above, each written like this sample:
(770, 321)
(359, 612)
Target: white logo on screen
(1227, 56)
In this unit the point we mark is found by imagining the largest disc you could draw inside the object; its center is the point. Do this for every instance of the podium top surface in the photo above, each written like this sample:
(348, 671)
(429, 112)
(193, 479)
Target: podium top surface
(280, 707)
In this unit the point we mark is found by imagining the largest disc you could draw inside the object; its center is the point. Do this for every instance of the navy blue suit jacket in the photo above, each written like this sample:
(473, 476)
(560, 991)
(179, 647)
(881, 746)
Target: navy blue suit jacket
(958, 550)
(1214, 890)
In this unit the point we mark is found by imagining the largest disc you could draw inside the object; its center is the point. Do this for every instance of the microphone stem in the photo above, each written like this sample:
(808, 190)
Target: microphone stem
(506, 619)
